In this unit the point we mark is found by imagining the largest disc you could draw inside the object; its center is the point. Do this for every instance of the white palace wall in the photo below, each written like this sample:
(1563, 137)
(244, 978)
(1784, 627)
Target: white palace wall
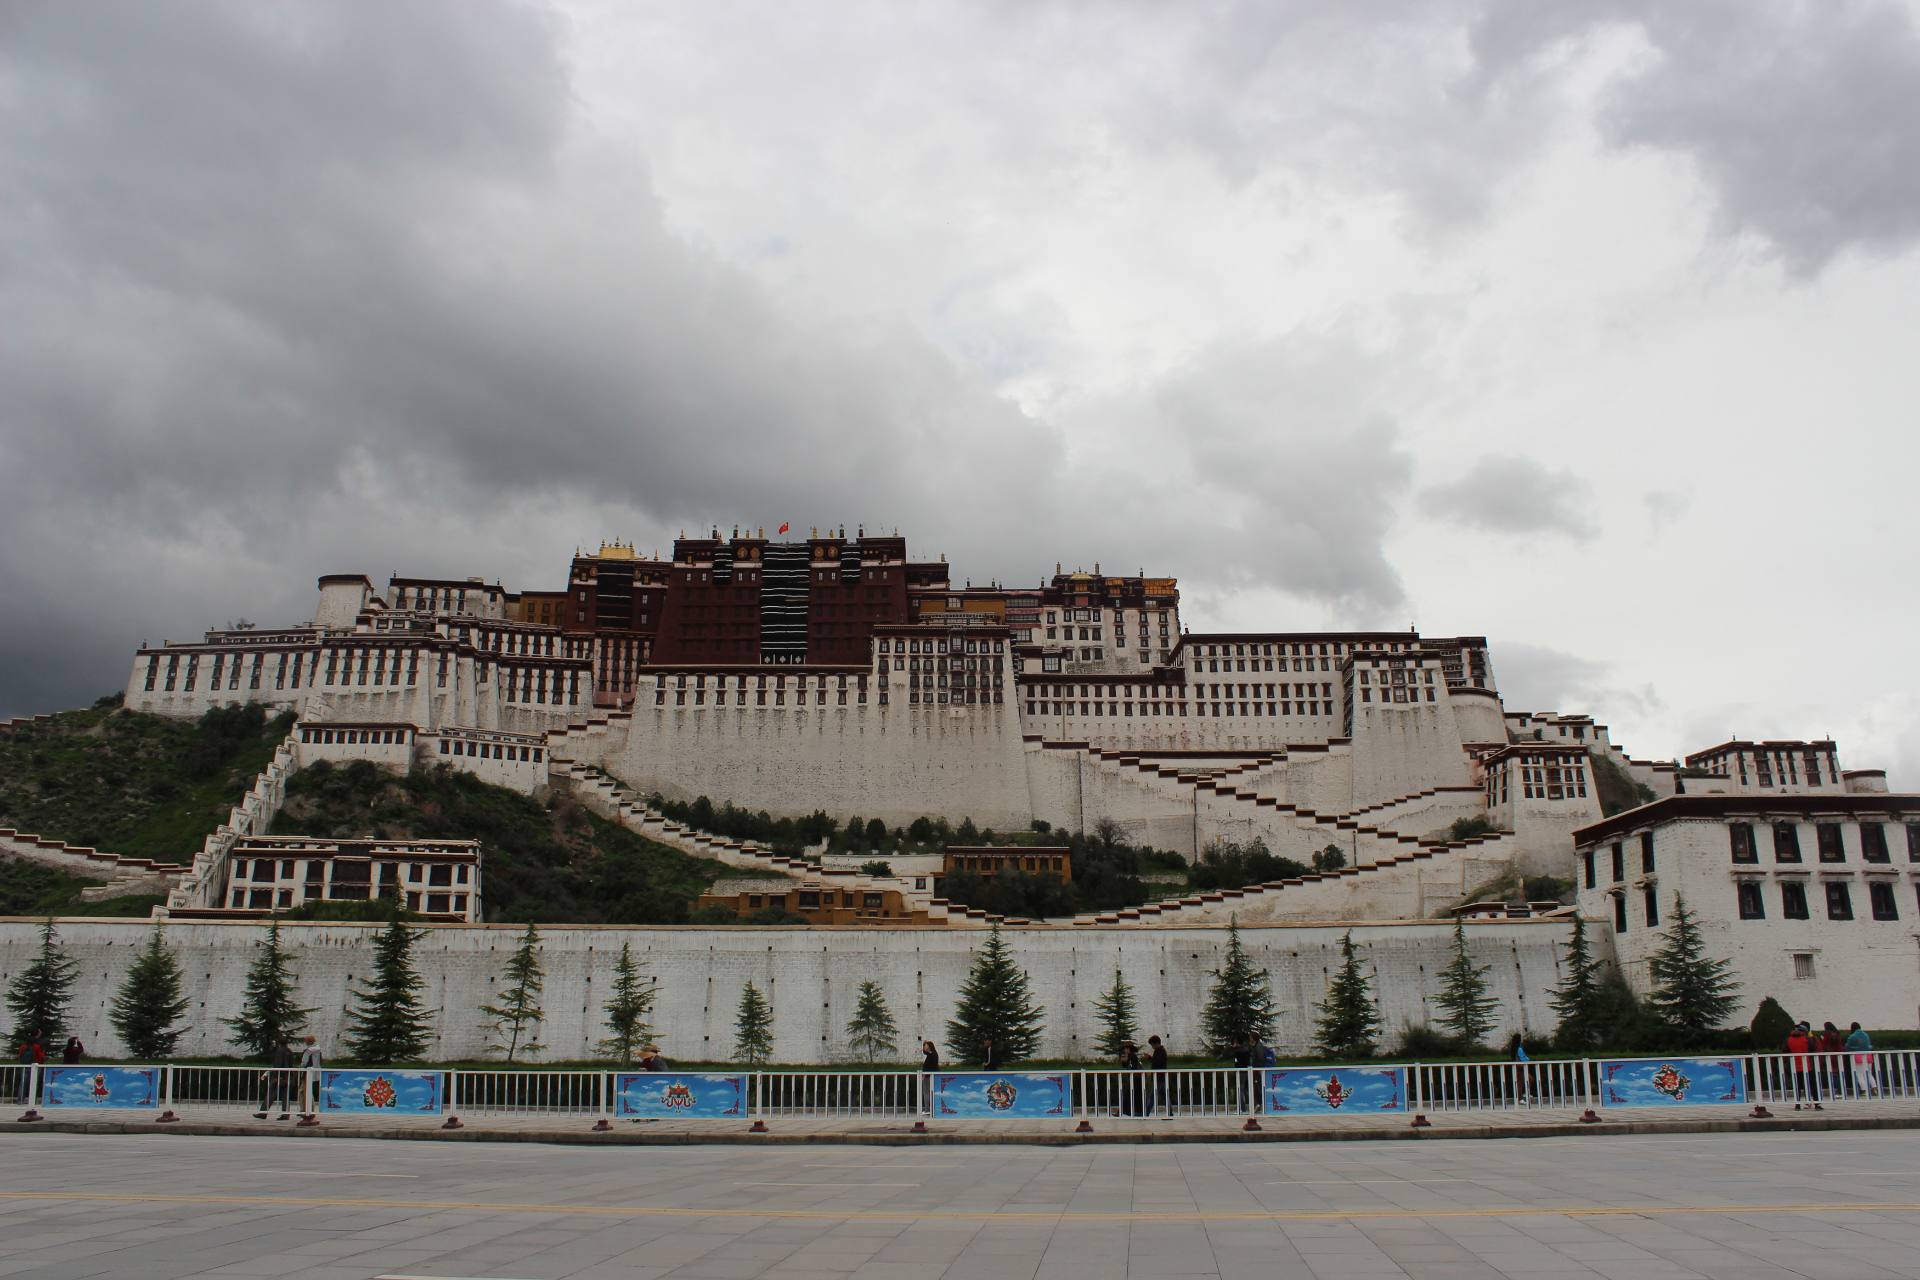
(812, 975)
(895, 762)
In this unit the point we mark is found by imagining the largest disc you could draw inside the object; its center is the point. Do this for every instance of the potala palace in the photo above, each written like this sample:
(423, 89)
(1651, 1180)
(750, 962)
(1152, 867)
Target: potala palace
(835, 672)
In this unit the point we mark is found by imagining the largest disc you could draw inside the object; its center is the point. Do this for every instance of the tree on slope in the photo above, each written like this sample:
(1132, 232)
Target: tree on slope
(1691, 993)
(627, 1009)
(995, 1003)
(753, 1027)
(1115, 1013)
(146, 1011)
(41, 997)
(1579, 999)
(518, 1011)
(872, 1031)
(388, 1022)
(1241, 1004)
(267, 1011)
(1349, 1020)
(1469, 1010)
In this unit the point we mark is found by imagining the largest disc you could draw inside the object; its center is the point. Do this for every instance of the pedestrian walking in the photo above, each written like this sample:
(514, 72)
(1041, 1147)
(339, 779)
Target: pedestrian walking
(1132, 1083)
(650, 1059)
(1242, 1064)
(73, 1051)
(31, 1053)
(1833, 1047)
(929, 1063)
(989, 1060)
(1157, 1060)
(1806, 1083)
(279, 1081)
(311, 1062)
(1860, 1045)
(1263, 1058)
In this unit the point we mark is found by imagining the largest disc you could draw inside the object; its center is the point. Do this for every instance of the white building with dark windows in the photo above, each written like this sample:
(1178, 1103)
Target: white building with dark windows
(1814, 898)
(439, 879)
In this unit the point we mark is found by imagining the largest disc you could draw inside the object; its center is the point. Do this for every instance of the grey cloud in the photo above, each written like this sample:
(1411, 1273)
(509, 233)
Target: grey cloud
(1803, 120)
(1515, 495)
(300, 289)
(1540, 678)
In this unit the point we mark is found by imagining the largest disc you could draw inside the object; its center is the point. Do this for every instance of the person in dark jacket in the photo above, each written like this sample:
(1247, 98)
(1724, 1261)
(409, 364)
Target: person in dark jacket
(929, 1063)
(650, 1059)
(1133, 1084)
(1832, 1045)
(74, 1051)
(1157, 1060)
(989, 1060)
(1242, 1064)
(280, 1081)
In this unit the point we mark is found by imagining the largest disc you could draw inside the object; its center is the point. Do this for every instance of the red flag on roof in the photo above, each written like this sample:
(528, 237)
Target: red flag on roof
(784, 526)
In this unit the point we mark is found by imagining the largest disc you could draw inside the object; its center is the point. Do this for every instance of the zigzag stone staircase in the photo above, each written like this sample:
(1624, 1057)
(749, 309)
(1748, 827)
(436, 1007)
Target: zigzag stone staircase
(121, 875)
(616, 802)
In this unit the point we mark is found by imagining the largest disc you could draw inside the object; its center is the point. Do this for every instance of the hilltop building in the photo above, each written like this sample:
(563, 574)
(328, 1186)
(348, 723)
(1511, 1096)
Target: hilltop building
(839, 672)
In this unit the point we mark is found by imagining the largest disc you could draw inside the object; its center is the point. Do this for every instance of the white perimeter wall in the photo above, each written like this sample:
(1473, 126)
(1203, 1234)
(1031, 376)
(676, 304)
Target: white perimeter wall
(813, 976)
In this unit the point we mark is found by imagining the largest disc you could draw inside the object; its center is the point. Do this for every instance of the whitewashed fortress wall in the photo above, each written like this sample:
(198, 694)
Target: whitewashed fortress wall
(812, 975)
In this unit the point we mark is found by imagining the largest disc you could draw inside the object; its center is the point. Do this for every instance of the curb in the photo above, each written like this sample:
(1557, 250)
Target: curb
(902, 1138)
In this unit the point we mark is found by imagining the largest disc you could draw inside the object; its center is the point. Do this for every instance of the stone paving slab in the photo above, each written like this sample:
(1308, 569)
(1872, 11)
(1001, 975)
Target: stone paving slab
(580, 1129)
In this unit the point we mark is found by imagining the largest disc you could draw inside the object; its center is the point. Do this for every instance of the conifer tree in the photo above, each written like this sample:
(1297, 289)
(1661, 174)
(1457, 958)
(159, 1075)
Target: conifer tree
(1463, 994)
(389, 1024)
(146, 1011)
(627, 1009)
(1691, 993)
(41, 998)
(1349, 1020)
(995, 1003)
(1241, 1004)
(1579, 999)
(267, 1011)
(753, 1027)
(1115, 1013)
(518, 1011)
(872, 1031)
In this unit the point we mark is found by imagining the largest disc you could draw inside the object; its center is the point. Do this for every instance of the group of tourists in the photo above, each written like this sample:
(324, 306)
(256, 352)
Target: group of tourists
(1831, 1055)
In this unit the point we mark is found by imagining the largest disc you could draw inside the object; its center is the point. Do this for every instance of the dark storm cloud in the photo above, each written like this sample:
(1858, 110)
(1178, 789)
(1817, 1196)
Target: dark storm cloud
(1802, 119)
(1515, 495)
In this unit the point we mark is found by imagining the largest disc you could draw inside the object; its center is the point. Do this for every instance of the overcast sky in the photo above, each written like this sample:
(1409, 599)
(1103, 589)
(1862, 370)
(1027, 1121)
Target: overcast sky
(1590, 327)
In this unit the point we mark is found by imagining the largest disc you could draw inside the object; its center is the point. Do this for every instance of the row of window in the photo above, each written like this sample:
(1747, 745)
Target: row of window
(1240, 664)
(277, 899)
(1215, 710)
(490, 750)
(355, 737)
(1881, 899)
(1829, 841)
(938, 644)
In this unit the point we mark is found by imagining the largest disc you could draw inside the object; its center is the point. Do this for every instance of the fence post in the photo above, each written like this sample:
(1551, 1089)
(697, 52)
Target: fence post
(757, 1101)
(453, 1101)
(166, 1115)
(32, 1094)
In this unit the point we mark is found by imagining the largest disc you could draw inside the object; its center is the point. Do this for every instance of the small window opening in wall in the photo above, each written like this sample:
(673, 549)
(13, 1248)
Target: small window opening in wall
(1803, 964)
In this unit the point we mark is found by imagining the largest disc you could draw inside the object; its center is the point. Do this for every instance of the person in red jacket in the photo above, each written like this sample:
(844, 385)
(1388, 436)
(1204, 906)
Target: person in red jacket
(1833, 1047)
(1801, 1044)
(31, 1053)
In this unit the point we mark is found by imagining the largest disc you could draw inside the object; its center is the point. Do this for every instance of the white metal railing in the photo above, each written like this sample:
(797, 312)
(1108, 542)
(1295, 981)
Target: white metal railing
(1093, 1093)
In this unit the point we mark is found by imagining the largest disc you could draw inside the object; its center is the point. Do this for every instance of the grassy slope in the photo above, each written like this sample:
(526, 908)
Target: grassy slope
(131, 783)
(548, 865)
(29, 889)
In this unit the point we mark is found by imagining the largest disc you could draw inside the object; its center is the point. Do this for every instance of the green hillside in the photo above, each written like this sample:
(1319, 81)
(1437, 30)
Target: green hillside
(28, 889)
(131, 783)
(545, 864)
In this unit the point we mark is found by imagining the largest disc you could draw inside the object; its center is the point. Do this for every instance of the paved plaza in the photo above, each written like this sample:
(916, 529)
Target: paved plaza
(1771, 1206)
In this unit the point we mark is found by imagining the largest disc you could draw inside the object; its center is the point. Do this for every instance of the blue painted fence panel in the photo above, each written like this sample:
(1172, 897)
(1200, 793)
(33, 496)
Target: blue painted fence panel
(679, 1095)
(100, 1086)
(1000, 1095)
(389, 1092)
(1664, 1082)
(1330, 1089)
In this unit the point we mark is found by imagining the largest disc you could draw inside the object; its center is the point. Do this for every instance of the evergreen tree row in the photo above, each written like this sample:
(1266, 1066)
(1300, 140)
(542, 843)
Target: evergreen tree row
(997, 1018)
